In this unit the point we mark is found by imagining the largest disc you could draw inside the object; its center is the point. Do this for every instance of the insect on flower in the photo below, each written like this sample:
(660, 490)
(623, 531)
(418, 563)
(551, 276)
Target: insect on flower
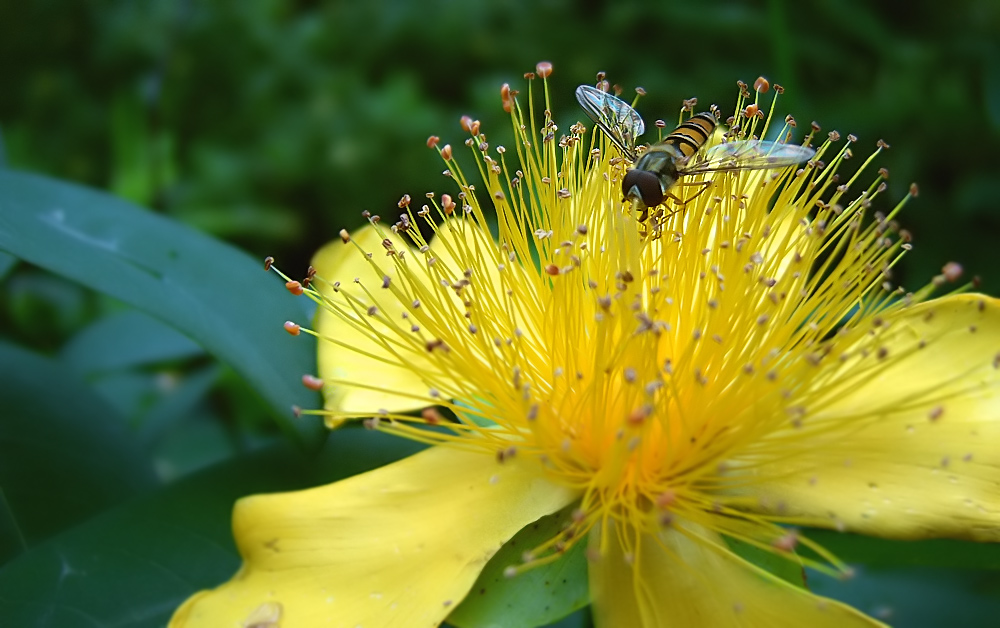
(658, 168)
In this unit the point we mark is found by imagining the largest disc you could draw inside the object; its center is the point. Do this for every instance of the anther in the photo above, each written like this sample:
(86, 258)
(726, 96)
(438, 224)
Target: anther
(268, 261)
(446, 155)
(505, 98)
(952, 271)
(761, 85)
(432, 141)
(431, 416)
(435, 344)
(544, 69)
(312, 382)
(700, 377)
(294, 287)
(914, 190)
(788, 542)
(292, 328)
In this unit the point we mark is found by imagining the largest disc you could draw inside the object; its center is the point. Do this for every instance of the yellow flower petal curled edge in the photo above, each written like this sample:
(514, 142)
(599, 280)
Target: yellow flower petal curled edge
(398, 546)
(735, 369)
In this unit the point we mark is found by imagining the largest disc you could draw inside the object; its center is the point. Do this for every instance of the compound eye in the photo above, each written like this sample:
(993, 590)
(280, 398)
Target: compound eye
(651, 190)
(642, 185)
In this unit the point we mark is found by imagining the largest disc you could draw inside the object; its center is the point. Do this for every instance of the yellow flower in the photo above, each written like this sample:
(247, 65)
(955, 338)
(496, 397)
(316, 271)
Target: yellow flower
(728, 372)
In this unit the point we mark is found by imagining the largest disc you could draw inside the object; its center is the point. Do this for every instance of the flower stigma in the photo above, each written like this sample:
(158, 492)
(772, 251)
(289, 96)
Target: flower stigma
(660, 368)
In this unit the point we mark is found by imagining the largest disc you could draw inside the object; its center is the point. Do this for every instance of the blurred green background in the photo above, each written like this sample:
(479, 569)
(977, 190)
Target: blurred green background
(271, 124)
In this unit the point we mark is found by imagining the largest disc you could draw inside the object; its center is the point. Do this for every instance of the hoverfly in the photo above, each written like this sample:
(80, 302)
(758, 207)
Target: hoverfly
(657, 169)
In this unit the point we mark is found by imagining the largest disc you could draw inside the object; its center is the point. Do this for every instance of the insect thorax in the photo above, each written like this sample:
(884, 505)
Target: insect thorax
(661, 159)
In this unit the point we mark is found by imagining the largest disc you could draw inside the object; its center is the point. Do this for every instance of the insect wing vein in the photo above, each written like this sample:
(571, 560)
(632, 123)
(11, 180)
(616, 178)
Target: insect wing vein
(749, 155)
(619, 121)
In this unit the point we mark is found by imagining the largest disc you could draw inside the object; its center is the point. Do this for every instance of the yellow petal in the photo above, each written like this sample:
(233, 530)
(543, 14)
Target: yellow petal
(354, 352)
(372, 338)
(683, 578)
(928, 463)
(398, 546)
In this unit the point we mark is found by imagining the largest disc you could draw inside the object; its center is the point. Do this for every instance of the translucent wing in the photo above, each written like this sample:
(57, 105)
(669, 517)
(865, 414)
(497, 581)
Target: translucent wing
(749, 155)
(619, 121)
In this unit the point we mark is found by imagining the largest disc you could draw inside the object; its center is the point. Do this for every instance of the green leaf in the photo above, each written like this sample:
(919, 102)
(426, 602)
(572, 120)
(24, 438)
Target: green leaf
(788, 570)
(132, 566)
(7, 263)
(12, 541)
(180, 403)
(536, 597)
(64, 453)
(205, 288)
(123, 340)
(918, 597)
(927, 583)
(874, 552)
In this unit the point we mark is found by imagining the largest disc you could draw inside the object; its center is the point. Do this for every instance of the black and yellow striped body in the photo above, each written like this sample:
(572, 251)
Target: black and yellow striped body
(692, 134)
(655, 172)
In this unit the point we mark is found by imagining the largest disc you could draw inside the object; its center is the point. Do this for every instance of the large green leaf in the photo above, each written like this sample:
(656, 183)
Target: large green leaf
(927, 583)
(126, 339)
(64, 454)
(918, 597)
(788, 570)
(205, 288)
(131, 566)
(874, 552)
(536, 597)
(12, 541)
(7, 263)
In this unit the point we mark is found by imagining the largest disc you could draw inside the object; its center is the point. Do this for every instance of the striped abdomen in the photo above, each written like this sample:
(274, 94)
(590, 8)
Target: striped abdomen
(692, 134)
